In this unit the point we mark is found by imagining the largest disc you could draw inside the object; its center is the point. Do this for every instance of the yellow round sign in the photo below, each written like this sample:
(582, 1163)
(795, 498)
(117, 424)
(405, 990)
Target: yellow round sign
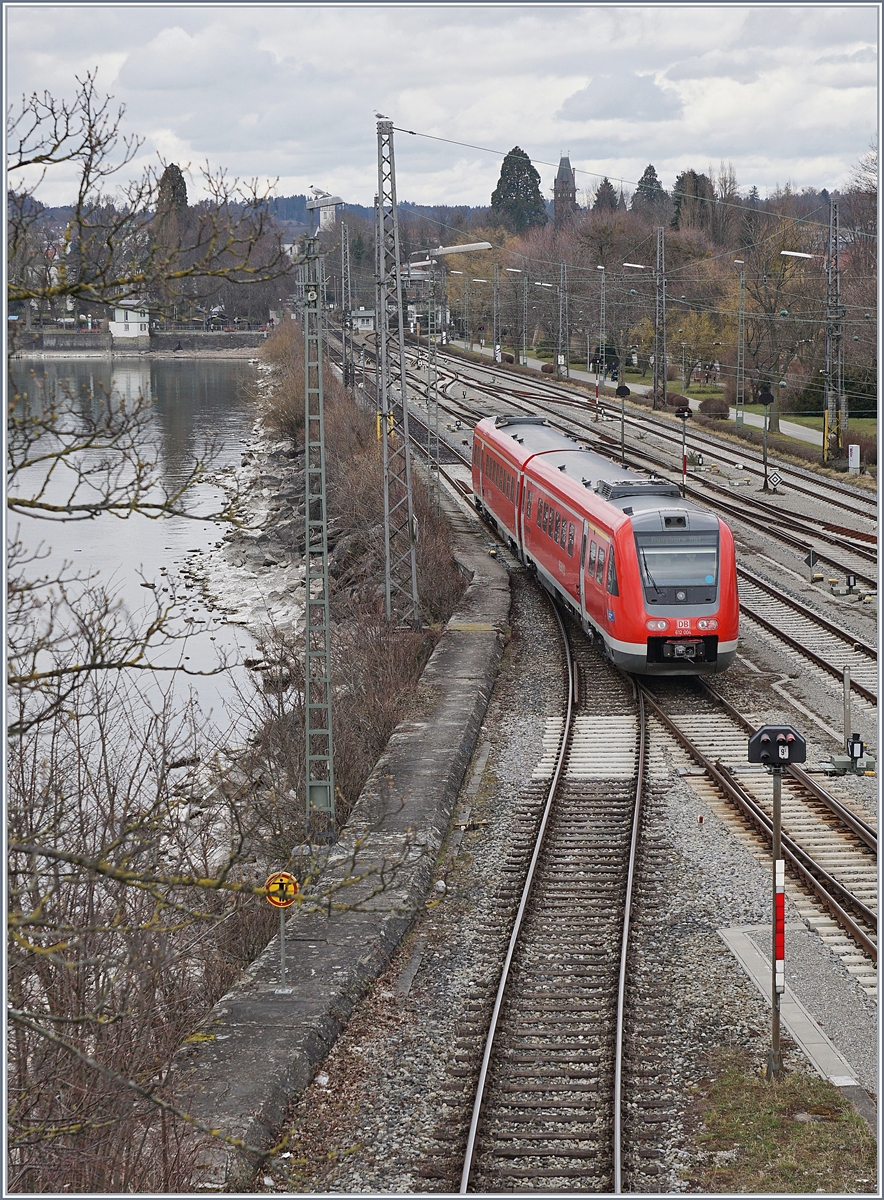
(281, 889)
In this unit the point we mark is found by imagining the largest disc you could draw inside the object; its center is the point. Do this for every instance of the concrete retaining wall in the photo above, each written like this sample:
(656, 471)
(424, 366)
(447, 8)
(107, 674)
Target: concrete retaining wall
(196, 340)
(258, 1049)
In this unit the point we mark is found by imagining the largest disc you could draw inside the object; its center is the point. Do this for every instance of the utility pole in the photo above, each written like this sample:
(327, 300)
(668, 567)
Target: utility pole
(433, 391)
(602, 336)
(661, 271)
(496, 347)
(400, 532)
(836, 400)
(319, 747)
(378, 302)
(525, 318)
(349, 369)
(741, 349)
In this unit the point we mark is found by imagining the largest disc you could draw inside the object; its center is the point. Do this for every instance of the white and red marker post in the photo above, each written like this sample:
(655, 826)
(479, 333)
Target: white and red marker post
(778, 956)
(776, 747)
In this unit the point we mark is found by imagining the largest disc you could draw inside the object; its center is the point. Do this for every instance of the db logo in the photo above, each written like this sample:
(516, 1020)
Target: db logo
(682, 624)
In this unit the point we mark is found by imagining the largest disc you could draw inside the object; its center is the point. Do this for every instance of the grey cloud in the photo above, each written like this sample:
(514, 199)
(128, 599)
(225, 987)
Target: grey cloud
(621, 97)
(866, 55)
(742, 67)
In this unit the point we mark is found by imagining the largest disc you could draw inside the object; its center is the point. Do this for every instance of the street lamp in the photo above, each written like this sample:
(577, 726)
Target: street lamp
(517, 270)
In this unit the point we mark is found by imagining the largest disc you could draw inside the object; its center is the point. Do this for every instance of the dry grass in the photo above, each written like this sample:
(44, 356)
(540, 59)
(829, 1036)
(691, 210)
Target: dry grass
(786, 1137)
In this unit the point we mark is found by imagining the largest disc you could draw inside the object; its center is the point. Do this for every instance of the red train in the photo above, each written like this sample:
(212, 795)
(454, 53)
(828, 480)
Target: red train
(653, 575)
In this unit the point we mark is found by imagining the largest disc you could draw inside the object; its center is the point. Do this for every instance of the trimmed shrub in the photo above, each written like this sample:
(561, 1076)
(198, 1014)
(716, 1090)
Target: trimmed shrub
(715, 406)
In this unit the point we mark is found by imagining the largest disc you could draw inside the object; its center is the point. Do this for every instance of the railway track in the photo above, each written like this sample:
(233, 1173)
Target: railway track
(549, 1102)
(796, 478)
(781, 617)
(830, 850)
(801, 533)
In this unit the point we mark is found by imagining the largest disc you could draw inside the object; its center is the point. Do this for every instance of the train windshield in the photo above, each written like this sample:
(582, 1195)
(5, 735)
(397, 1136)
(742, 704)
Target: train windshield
(671, 560)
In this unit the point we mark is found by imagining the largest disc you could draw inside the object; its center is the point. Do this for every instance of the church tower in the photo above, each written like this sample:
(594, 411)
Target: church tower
(564, 192)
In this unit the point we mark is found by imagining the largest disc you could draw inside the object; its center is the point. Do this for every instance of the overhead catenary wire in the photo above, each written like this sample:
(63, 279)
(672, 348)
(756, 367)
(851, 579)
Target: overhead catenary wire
(598, 175)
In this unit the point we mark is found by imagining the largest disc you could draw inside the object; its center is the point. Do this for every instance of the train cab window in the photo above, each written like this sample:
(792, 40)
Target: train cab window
(612, 575)
(556, 534)
(600, 565)
(570, 540)
(528, 504)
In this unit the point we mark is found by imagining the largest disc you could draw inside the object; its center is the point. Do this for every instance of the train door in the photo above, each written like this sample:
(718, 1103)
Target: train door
(583, 544)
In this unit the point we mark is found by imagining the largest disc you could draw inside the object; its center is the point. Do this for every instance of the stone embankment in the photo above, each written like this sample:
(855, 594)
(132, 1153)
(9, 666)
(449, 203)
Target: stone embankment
(261, 1045)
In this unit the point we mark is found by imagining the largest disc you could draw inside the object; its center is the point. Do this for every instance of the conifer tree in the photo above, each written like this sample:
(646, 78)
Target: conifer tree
(516, 201)
(605, 197)
(172, 190)
(649, 192)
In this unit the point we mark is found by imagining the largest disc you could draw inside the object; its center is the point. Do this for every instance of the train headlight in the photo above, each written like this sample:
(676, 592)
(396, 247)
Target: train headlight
(657, 625)
(707, 623)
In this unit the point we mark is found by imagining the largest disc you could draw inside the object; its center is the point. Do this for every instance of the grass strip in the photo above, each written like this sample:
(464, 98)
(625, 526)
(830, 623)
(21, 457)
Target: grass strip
(790, 1136)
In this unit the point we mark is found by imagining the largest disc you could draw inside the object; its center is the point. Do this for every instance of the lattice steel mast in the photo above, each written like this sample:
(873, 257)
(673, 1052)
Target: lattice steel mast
(348, 365)
(319, 746)
(400, 558)
(433, 326)
(836, 401)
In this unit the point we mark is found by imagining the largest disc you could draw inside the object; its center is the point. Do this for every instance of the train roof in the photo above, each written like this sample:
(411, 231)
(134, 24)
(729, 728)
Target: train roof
(572, 466)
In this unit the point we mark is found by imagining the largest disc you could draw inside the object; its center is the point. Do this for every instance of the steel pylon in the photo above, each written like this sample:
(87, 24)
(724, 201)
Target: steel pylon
(836, 401)
(400, 531)
(318, 740)
(348, 365)
(433, 330)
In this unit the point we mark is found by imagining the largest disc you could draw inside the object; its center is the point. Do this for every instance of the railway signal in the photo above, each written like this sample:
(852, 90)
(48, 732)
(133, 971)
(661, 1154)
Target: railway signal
(776, 747)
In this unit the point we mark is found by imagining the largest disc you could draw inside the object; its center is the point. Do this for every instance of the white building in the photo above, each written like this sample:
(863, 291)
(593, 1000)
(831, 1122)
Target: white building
(363, 320)
(130, 327)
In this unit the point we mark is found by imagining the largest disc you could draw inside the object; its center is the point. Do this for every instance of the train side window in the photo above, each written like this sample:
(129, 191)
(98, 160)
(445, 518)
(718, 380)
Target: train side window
(590, 566)
(528, 504)
(612, 575)
(570, 540)
(546, 516)
(600, 565)
(556, 534)
(539, 517)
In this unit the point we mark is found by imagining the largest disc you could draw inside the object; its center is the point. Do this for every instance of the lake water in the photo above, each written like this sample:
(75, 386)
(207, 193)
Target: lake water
(191, 403)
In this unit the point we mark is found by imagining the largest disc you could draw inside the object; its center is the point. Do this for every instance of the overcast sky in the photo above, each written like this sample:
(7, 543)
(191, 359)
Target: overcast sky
(784, 92)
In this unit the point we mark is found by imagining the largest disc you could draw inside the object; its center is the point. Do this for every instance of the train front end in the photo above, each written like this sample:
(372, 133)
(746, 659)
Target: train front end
(685, 619)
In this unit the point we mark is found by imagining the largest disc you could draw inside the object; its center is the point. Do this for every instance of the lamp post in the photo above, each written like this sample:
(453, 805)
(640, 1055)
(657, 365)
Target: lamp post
(524, 274)
(655, 376)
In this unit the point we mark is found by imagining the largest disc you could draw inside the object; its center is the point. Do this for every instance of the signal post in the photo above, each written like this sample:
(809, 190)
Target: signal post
(776, 747)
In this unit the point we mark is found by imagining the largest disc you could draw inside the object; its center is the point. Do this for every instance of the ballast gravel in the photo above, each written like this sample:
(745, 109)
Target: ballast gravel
(383, 1115)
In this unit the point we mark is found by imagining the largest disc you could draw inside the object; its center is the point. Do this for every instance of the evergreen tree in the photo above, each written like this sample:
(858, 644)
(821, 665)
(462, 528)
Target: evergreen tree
(173, 190)
(605, 197)
(649, 192)
(516, 201)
